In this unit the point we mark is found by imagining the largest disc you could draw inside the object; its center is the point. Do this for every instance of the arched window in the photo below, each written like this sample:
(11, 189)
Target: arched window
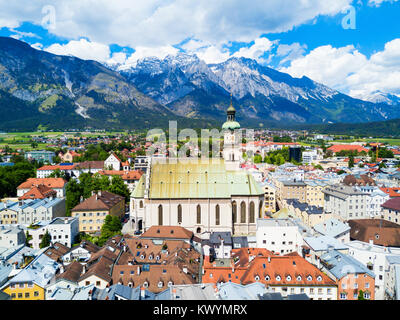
(260, 209)
(217, 216)
(243, 212)
(141, 204)
(179, 214)
(252, 213)
(234, 211)
(198, 220)
(160, 215)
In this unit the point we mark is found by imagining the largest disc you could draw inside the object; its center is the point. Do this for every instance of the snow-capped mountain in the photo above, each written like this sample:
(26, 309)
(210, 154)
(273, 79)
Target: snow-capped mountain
(189, 87)
(380, 97)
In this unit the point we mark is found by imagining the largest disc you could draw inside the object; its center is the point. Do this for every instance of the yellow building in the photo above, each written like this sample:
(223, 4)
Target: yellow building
(314, 194)
(269, 198)
(93, 211)
(30, 282)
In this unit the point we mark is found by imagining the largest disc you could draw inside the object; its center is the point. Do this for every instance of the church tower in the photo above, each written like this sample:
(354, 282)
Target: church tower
(232, 141)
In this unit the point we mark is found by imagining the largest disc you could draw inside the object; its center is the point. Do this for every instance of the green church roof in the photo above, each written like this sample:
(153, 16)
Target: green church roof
(197, 179)
(231, 125)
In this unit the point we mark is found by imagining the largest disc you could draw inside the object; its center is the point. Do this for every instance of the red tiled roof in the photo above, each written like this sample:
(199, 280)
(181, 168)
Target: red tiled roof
(39, 192)
(54, 183)
(55, 167)
(346, 147)
(392, 192)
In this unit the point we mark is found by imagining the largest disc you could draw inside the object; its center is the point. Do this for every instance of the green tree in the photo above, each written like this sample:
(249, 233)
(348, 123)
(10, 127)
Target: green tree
(28, 237)
(119, 187)
(361, 295)
(112, 226)
(45, 240)
(351, 161)
(74, 192)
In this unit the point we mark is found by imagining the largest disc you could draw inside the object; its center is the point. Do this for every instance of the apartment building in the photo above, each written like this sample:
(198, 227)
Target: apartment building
(345, 202)
(352, 276)
(93, 211)
(280, 236)
(61, 229)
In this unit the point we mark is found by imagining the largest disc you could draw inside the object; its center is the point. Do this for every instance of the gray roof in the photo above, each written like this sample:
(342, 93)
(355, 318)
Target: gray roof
(194, 292)
(234, 291)
(332, 227)
(215, 238)
(324, 243)
(240, 242)
(340, 264)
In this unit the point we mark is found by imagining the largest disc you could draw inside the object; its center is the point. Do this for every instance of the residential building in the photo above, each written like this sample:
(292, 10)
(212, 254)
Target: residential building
(392, 278)
(113, 163)
(310, 157)
(391, 210)
(81, 253)
(345, 202)
(30, 283)
(93, 211)
(219, 245)
(57, 184)
(293, 190)
(26, 212)
(40, 156)
(381, 232)
(39, 192)
(46, 170)
(309, 215)
(280, 236)
(352, 276)
(11, 236)
(315, 247)
(334, 228)
(61, 229)
(314, 194)
(269, 198)
(373, 257)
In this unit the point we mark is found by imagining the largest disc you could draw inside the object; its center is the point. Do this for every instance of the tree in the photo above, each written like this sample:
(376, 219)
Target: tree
(112, 226)
(257, 158)
(28, 237)
(45, 240)
(74, 192)
(361, 295)
(351, 161)
(119, 187)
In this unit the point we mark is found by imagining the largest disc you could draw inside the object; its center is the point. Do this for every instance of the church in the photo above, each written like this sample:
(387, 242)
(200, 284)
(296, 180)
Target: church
(202, 195)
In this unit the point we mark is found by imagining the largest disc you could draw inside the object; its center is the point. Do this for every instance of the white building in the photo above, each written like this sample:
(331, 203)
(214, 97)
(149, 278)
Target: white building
(310, 156)
(279, 236)
(11, 236)
(374, 257)
(57, 184)
(62, 230)
(112, 163)
(345, 202)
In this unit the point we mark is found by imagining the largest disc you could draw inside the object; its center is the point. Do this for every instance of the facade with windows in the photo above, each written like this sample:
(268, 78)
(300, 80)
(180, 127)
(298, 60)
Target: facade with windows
(354, 278)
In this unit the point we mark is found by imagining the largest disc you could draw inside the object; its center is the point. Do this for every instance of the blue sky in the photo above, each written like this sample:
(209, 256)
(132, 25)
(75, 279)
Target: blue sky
(300, 37)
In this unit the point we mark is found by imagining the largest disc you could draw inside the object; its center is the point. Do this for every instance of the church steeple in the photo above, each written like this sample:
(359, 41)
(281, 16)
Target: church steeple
(231, 122)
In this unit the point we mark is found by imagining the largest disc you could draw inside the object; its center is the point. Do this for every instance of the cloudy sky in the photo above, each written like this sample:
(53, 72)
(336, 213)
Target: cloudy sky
(350, 45)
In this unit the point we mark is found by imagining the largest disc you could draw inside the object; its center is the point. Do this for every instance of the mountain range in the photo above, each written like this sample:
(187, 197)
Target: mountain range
(59, 92)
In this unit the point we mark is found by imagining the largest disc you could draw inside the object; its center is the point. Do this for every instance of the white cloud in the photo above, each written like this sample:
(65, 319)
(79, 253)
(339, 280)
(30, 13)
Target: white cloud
(349, 71)
(157, 23)
(143, 52)
(213, 54)
(82, 49)
(377, 3)
(257, 50)
(289, 52)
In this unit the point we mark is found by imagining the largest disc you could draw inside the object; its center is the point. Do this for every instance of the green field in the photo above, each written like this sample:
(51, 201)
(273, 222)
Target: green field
(393, 142)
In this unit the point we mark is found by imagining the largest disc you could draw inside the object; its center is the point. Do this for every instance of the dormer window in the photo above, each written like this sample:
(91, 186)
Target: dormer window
(309, 278)
(267, 278)
(256, 278)
(142, 256)
(145, 284)
(160, 284)
(150, 257)
(278, 278)
(299, 278)
(170, 283)
(288, 278)
(319, 278)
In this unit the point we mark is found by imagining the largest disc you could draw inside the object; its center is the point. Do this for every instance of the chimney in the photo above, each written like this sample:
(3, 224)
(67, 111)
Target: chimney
(81, 199)
(184, 269)
(371, 241)
(61, 269)
(143, 292)
(269, 259)
(174, 293)
(138, 270)
(66, 220)
(84, 269)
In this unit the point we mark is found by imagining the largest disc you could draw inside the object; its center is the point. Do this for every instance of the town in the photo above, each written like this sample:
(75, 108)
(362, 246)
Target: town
(293, 215)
